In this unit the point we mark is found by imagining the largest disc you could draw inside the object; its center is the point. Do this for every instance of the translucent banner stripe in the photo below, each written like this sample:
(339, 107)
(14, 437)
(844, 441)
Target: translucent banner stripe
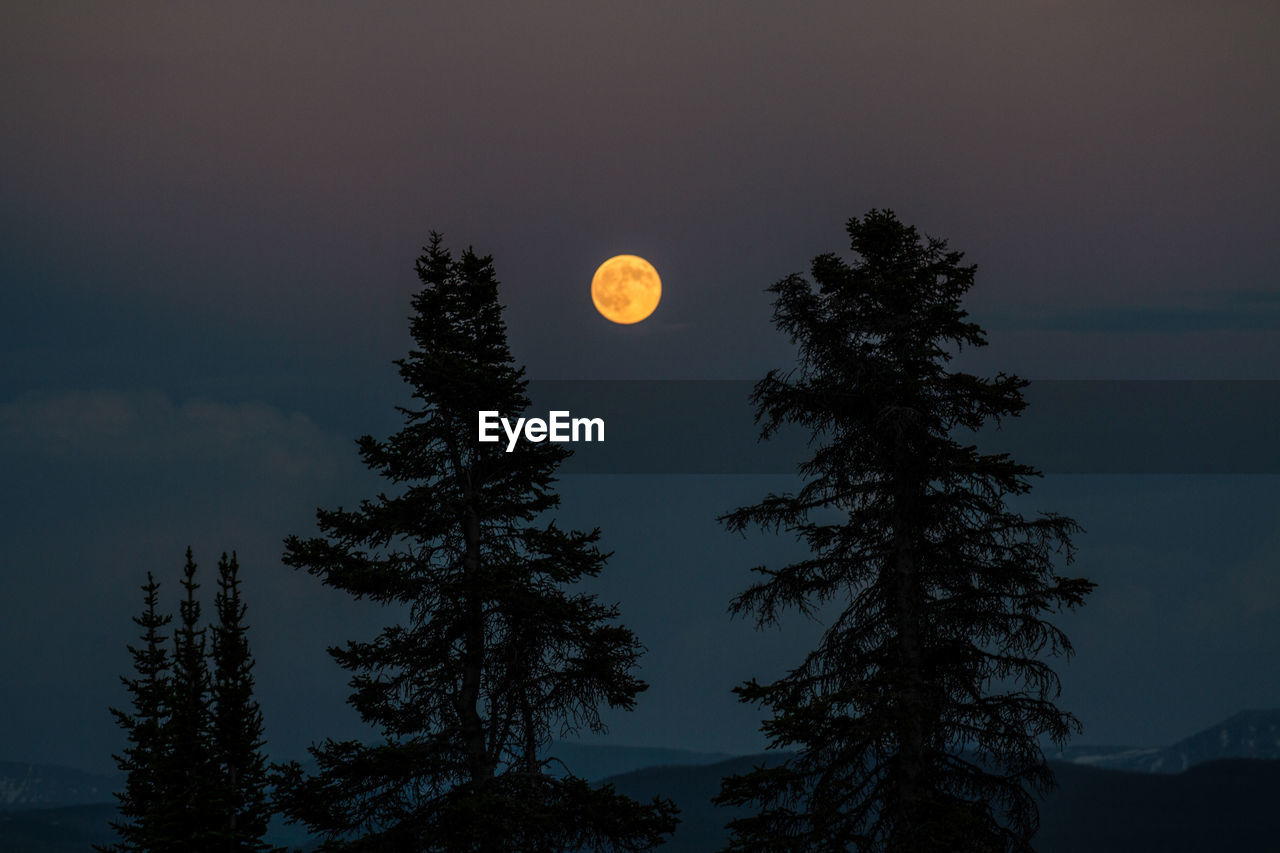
(1069, 427)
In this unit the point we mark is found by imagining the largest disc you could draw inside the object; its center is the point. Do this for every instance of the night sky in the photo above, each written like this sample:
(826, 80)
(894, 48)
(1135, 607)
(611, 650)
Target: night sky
(208, 222)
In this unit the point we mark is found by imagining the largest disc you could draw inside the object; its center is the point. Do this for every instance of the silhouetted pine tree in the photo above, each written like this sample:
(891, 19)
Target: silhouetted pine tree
(237, 739)
(144, 726)
(917, 718)
(494, 655)
(188, 820)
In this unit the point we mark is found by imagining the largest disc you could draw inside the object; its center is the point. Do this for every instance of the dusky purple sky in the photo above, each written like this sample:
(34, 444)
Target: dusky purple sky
(209, 217)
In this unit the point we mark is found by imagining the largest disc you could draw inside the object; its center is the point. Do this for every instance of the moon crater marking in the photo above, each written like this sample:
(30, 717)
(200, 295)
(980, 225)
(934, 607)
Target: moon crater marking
(626, 289)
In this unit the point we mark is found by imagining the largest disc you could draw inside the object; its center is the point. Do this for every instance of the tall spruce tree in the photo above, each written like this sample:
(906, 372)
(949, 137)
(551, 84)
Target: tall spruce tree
(144, 726)
(495, 653)
(236, 738)
(187, 819)
(917, 720)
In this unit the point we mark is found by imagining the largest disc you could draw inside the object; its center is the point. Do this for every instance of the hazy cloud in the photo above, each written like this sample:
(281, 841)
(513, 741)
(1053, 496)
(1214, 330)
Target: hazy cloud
(151, 429)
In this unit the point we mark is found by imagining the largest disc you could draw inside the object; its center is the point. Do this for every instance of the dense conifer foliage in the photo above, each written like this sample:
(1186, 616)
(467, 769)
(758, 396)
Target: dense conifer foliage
(195, 775)
(187, 783)
(496, 650)
(143, 725)
(918, 717)
(237, 741)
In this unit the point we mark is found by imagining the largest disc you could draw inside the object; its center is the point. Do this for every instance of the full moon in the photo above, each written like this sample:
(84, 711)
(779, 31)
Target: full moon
(626, 289)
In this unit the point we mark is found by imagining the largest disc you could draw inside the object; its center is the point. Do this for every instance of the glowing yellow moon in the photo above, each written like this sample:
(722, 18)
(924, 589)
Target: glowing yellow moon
(626, 289)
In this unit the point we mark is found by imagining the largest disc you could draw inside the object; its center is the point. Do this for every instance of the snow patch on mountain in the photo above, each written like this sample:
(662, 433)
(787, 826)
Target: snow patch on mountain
(24, 786)
(1248, 734)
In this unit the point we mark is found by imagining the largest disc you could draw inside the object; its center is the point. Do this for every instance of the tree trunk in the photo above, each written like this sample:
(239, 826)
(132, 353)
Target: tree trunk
(473, 658)
(912, 725)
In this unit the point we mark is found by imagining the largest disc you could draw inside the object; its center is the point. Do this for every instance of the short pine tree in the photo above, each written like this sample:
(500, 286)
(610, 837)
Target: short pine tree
(237, 741)
(495, 655)
(917, 719)
(144, 726)
(187, 820)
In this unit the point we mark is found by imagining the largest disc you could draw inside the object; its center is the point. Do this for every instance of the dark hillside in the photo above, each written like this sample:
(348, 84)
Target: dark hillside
(1221, 805)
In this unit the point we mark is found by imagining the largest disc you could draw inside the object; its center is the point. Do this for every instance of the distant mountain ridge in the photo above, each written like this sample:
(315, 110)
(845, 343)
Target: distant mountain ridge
(592, 761)
(1248, 734)
(1232, 775)
(31, 786)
